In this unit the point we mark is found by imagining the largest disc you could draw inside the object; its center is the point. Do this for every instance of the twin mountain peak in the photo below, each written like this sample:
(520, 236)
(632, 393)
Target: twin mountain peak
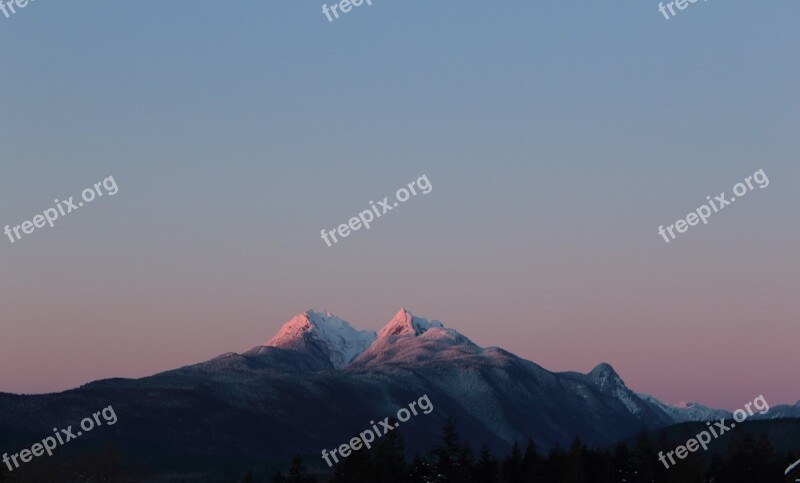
(323, 334)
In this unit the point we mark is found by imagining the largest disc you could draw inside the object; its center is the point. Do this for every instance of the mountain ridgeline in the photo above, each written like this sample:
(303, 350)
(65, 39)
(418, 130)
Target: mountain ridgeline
(319, 381)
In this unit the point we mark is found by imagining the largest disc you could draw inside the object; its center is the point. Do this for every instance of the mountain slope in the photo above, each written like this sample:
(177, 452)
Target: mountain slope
(319, 381)
(324, 336)
(685, 412)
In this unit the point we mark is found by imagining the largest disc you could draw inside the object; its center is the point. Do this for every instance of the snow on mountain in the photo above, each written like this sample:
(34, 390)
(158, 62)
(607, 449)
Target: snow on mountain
(683, 412)
(779, 411)
(404, 323)
(608, 381)
(435, 345)
(319, 379)
(410, 341)
(324, 335)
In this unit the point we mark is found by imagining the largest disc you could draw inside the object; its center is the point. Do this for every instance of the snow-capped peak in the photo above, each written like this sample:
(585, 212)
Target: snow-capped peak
(608, 381)
(404, 323)
(605, 376)
(323, 334)
(682, 411)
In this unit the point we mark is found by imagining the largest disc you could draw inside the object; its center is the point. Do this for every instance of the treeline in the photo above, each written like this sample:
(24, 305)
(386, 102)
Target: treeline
(94, 465)
(747, 460)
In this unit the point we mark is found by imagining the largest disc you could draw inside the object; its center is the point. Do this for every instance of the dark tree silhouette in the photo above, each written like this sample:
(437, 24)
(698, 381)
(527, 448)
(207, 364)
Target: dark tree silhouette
(645, 459)
(556, 459)
(577, 463)
(298, 472)
(279, 477)
(389, 464)
(532, 463)
(747, 459)
(420, 470)
(512, 470)
(452, 460)
(355, 468)
(486, 468)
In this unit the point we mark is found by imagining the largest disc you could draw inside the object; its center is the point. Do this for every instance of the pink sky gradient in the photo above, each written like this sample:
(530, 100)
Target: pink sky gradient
(557, 137)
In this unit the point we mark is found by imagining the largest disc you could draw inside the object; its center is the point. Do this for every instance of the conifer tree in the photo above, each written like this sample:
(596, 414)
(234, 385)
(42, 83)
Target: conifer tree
(447, 456)
(388, 458)
(486, 468)
(512, 471)
(576, 464)
(420, 470)
(298, 472)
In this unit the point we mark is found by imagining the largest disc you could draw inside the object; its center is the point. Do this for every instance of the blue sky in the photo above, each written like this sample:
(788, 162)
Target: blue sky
(557, 137)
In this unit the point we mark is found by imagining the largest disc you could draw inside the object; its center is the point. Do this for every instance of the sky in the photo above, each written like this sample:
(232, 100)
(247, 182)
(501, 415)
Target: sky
(556, 136)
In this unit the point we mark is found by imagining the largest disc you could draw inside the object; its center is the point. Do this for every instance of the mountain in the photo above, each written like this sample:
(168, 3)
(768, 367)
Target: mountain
(780, 411)
(323, 336)
(685, 412)
(692, 412)
(319, 381)
(608, 381)
(404, 323)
